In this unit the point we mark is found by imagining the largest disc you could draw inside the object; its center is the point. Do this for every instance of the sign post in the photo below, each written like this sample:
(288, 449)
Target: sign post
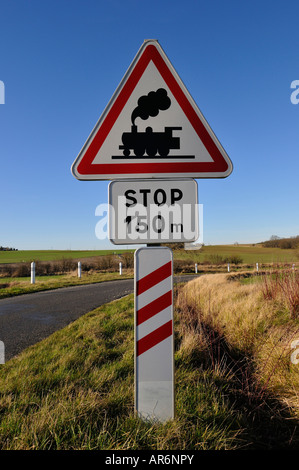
(154, 363)
(151, 142)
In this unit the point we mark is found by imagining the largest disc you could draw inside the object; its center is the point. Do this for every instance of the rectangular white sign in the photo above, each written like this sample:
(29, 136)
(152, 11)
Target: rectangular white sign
(154, 338)
(153, 211)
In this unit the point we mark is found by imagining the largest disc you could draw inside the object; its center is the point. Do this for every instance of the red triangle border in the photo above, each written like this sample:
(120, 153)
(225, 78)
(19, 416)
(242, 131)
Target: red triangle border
(86, 167)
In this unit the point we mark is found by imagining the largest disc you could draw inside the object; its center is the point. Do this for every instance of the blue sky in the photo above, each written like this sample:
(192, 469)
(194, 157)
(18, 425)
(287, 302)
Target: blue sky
(61, 61)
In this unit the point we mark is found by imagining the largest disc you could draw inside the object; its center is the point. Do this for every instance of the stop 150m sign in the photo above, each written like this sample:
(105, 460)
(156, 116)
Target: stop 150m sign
(153, 211)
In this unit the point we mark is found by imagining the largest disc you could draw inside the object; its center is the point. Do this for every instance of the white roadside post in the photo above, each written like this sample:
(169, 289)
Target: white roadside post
(154, 343)
(33, 272)
(195, 268)
(2, 353)
(228, 267)
(79, 269)
(257, 267)
(120, 268)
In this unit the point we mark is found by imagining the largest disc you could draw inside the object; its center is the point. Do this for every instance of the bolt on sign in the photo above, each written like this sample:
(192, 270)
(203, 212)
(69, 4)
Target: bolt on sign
(151, 128)
(153, 211)
(154, 343)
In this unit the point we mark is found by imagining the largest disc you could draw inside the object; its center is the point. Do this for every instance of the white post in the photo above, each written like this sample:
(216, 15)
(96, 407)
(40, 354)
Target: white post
(33, 272)
(79, 269)
(120, 269)
(228, 267)
(257, 266)
(196, 268)
(2, 353)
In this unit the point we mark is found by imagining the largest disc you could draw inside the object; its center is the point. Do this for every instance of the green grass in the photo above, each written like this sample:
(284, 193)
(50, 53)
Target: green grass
(249, 254)
(75, 390)
(22, 285)
(50, 255)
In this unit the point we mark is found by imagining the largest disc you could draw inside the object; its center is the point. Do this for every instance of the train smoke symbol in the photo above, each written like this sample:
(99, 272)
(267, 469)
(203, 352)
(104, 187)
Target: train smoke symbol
(151, 104)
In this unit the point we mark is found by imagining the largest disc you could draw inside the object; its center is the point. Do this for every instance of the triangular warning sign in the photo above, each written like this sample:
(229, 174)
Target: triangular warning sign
(151, 128)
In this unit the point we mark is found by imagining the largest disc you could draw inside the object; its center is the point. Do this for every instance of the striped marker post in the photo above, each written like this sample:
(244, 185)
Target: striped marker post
(154, 349)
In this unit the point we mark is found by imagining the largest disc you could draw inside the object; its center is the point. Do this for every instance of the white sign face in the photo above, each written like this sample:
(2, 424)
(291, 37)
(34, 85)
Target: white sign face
(153, 211)
(154, 350)
(151, 128)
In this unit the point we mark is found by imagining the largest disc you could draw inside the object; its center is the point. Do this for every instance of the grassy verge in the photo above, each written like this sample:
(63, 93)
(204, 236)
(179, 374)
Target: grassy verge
(74, 390)
(17, 286)
(251, 329)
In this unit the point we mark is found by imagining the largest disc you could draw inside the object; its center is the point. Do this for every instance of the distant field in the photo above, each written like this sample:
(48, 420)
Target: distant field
(49, 255)
(250, 254)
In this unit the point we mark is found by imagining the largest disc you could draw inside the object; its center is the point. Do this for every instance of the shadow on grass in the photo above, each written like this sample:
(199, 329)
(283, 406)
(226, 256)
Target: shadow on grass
(267, 424)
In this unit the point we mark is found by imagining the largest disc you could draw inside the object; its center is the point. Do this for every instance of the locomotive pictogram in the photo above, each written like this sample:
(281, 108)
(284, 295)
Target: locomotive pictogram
(148, 143)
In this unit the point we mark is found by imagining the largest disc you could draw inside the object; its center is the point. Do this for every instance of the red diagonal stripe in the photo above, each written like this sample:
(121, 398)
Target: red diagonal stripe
(154, 307)
(150, 340)
(153, 278)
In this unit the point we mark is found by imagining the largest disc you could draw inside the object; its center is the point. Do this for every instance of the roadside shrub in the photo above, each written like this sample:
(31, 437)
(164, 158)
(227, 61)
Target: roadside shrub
(22, 270)
(6, 270)
(235, 259)
(182, 266)
(106, 263)
(67, 265)
(128, 260)
(216, 259)
(47, 269)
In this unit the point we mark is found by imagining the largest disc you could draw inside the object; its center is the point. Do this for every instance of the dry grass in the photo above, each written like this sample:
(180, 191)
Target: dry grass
(283, 286)
(246, 329)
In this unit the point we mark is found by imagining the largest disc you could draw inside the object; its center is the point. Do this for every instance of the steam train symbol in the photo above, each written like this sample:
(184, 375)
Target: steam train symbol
(150, 144)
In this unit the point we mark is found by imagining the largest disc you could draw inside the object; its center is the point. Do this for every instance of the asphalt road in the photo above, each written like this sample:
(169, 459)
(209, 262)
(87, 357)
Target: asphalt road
(29, 318)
